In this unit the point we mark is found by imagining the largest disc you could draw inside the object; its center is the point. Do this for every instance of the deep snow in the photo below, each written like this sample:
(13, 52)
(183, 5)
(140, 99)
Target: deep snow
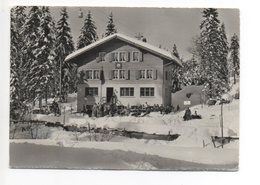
(27, 155)
(194, 134)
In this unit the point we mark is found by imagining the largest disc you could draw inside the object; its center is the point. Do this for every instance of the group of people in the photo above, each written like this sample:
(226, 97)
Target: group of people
(111, 109)
(100, 110)
(55, 108)
(188, 115)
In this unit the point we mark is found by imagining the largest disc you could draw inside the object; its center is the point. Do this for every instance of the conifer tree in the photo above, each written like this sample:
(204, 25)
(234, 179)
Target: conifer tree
(88, 32)
(223, 54)
(221, 72)
(30, 32)
(188, 74)
(213, 54)
(41, 70)
(15, 102)
(177, 72)
(64, 46)
(111, 28)
(175, 51)
(18, 18)
(234, 56)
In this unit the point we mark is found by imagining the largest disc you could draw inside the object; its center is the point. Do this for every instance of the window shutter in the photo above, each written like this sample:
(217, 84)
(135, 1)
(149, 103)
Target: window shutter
(98, 58)
(86, 91)
(102, 54)
(110, 57)
(154, 74)
(110, 75)
(85, 75)
(127, 56)
(128, 75)
(140, 57)
(137, 74)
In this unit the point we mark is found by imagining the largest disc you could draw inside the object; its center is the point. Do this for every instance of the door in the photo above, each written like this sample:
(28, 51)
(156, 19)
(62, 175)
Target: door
(110, 91)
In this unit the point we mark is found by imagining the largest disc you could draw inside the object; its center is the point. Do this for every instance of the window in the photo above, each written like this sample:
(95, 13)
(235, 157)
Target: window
(136, 56)
(119, 56)
(146, 74)
(92, 74)
(119, 74)
(91, 91)
(102, 56)
(115, 56)
(122, 56)
(96, 74)
(149, 74)
(126, 91)
(115, 74)
(146, 91)
(89, 74)
(142, 74)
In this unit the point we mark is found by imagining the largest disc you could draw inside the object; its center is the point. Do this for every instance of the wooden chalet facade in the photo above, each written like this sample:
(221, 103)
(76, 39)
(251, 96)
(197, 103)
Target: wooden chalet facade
(133, 71)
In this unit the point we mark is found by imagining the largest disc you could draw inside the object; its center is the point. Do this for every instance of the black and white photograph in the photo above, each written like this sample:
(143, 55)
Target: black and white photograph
(124, 88)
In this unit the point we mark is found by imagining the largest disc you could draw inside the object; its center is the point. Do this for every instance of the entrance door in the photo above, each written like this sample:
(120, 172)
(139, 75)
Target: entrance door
(110, 91)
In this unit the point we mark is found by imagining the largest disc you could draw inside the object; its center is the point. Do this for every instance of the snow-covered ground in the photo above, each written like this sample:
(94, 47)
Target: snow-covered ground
(194, 134)
(26, 155)
(190, 154)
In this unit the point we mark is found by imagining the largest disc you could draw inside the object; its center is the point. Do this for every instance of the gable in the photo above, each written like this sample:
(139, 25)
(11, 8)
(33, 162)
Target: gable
(112, 43)
(117, 47)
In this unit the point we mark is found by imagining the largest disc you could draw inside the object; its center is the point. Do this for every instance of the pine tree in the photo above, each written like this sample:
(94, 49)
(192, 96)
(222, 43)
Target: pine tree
(187, 75)
(18, 18)
(111, 28)
(223, 54)
(64, 46)
(175, 51)
(15, 101)
(30, 31)
(41, 72)
(234, 56)
(19, 21)
(88, 32)
(212, 49)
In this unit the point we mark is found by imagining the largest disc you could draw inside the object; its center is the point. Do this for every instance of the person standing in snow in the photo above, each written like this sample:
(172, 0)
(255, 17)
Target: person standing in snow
(94, 110)
(187, 115)
(161, 109)
(178, 108)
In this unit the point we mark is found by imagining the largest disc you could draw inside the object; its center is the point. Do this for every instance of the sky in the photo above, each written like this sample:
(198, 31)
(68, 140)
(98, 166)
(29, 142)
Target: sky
(160, 26)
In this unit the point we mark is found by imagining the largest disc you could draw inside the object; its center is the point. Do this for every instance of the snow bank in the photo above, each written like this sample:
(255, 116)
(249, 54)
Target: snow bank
(193, 133)
(197, 155)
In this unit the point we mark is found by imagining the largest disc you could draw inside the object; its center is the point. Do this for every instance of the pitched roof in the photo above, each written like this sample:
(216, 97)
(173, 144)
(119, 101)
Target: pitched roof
(130, 40)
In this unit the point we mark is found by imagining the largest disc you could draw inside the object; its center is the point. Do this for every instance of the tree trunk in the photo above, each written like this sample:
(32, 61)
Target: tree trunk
(46, 96)
(210, 90)
(40, 101)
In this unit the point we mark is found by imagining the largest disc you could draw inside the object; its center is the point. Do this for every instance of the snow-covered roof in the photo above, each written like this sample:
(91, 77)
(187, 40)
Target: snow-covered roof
(134, 41)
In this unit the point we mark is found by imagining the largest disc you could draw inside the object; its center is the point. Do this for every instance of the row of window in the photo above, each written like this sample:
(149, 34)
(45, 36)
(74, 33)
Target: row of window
(124, 91)
(121, 74)
(146, 74)
(121, 56)
(91, 91)
(92, 74)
